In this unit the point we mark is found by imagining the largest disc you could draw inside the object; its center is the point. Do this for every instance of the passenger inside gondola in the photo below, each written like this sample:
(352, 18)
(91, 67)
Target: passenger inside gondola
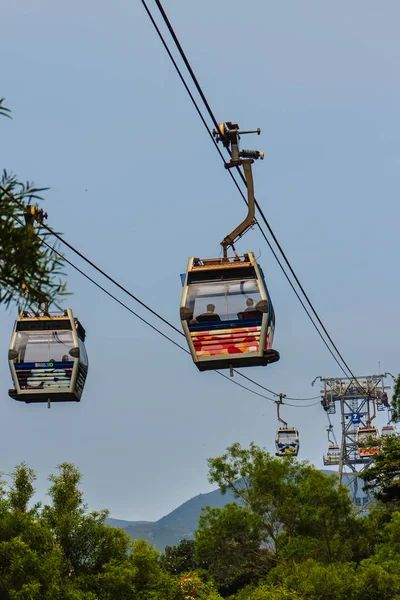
(250, 305)
(223, 301)
(208, 316)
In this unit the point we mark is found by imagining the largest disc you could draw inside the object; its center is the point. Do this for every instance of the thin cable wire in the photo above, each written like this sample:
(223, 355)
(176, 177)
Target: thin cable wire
(230, 172)
(93, 265)
(107, 292)
(136, 314)
(96, 267)
(272, 392)
(304, 399)
(144, 320)
(185, 60)
(134, 297)
(301, 405)
(202, 95)
(257, 384)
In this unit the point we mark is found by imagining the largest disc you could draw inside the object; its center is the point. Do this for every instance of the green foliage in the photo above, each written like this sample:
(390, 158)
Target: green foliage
(179, 559)
(383, 477)
(300, 509)
(4, 112)
(228, 543)
(267, 591)
(318, 550)
(62, 552)
(396, 400)
(30, 272)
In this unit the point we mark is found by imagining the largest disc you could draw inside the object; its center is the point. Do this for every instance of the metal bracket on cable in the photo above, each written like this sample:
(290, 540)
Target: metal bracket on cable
(229, 134)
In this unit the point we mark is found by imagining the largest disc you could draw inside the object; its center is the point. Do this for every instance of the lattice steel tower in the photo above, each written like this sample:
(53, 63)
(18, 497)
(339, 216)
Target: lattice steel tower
(359, 398)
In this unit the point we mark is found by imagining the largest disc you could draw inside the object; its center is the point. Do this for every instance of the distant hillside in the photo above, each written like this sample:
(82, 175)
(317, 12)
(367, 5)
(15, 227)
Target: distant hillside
(179, 524)
(182, 522)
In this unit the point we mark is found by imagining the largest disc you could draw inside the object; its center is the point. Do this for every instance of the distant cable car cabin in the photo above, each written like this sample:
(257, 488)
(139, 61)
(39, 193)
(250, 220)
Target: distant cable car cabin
(287, 441)
(47, 358)
(387, 430)
(226, 310)
(287, 438)
(366, 440)
(332, 457)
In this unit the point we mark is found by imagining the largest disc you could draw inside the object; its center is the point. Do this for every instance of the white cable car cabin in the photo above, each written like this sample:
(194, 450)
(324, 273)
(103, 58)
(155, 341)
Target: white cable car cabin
(332, 457)
(366, 439)
(287, 441)
(47, 358)
(387, 430)
(226, 311)
(227, 314)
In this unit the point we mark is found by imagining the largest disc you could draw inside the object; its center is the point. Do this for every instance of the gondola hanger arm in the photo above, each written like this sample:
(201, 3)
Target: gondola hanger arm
(229, 134)
(278, 406)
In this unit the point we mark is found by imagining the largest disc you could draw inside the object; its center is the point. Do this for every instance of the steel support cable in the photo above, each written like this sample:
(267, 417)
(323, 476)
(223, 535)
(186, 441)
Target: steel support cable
(137, 315)
(93, 265)
(107, 292)
(97, 268)
(300, 285)
(201, 93)
(185, 85)
(170, 28)
(300, 405)
(274, 393)
(185, 60)
(141, 318)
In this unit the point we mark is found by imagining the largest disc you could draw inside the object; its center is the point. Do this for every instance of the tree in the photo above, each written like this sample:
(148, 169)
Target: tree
(30, 271)
(383, 477)
(228, 543)
(30, 561)
(179, 559)
(301, 510)
(396, 400)
(63, 552)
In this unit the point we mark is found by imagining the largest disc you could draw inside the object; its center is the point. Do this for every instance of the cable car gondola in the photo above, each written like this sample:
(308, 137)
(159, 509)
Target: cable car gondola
(366, 440)
(226, 310)
(332, 457)
(287, 438)
(387, 430)
(47, 358)
(287, 441)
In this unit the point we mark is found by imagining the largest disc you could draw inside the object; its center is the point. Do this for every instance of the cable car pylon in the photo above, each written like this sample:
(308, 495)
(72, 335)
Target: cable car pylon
(358, 398)
(226, 310)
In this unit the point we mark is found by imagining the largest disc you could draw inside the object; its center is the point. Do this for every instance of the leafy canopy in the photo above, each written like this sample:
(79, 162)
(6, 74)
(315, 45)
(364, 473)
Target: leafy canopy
(30, 271)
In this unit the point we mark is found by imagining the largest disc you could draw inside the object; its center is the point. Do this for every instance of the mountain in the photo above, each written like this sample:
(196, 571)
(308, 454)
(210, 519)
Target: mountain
(182, 522)
(179, 524)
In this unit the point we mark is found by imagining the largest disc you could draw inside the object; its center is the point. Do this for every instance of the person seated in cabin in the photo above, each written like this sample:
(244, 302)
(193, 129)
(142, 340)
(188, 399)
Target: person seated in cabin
(251, 310)
(65, 358)
(210, 315)
(250, 305)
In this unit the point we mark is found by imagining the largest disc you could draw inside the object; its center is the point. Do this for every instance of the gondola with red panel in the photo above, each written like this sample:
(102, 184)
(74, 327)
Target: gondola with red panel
(226, 310)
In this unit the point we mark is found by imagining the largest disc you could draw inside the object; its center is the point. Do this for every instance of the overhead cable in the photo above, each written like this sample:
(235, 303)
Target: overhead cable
(212, 116)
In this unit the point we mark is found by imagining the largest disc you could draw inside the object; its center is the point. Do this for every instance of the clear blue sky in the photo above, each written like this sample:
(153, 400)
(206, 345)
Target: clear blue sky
(100, 116)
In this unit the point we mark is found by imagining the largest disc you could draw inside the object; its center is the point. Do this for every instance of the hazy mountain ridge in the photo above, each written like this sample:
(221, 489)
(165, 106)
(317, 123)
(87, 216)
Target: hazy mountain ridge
(181, 523)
